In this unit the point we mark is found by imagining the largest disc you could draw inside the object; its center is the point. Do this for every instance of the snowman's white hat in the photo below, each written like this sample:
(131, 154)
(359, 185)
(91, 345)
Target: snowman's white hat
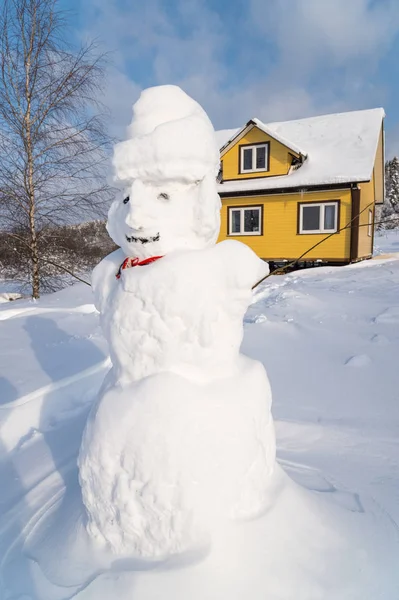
(172, 138)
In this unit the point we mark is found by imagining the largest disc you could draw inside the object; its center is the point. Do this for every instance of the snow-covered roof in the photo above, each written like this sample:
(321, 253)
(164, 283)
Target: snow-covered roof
(266, 129)
(224, 136)
(340, 148)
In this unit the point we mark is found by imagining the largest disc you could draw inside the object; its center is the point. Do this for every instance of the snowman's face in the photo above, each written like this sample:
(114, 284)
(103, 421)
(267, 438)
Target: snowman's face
(155, 219)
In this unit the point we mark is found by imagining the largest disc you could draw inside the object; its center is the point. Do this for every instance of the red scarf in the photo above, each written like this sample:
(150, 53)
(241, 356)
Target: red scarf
(135, 262)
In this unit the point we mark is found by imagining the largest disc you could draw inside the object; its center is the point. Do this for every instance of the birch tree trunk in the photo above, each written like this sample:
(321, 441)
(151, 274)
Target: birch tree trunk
(53, 144)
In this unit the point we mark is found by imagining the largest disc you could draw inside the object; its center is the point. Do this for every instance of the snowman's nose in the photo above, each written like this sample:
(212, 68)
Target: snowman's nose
(137, 216)
(134, 219)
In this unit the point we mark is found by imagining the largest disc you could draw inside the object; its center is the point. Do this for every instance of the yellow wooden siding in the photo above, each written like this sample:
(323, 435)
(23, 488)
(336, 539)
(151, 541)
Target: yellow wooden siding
(379, 170)
(280, 157)
(370, 193)
(280, 239)
(366, 199)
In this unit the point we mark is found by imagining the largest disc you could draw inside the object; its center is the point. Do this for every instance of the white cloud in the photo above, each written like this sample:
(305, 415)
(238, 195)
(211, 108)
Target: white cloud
(322, 33)
(119, 95)
(324, 52)
(182, 49)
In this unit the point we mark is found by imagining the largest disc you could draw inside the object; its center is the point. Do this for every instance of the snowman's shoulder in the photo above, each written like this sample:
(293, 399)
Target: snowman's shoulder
(236, 249)
(238, 259)
(107, 267)
(103, 277)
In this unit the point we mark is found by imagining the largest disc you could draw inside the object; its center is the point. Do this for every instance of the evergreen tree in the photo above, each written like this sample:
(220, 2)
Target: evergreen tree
(390, 208)
(392, 183)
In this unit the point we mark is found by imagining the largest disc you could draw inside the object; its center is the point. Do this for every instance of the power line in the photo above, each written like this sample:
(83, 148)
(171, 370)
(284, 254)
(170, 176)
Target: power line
(294, 262)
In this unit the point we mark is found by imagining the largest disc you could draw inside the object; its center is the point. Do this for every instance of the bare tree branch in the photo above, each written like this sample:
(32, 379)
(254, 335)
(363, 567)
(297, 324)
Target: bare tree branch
(53, 144)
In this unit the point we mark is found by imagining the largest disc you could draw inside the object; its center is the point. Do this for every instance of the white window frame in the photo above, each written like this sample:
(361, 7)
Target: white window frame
(322, 206)
(253, 147)
(242, 210)
(370, 223)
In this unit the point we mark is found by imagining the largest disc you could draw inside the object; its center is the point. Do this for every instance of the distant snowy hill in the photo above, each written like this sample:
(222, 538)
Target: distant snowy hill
(329, 339)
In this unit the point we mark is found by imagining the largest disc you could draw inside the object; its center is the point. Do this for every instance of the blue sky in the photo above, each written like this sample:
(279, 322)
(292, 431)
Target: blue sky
(273, 59)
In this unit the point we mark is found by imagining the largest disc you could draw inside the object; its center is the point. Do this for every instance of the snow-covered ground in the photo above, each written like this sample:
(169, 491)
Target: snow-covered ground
(9, 290)
(329, 339)
(386, 241)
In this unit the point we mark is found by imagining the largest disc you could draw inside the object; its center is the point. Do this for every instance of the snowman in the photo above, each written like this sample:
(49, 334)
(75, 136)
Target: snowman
(181, 438)
(182, 495)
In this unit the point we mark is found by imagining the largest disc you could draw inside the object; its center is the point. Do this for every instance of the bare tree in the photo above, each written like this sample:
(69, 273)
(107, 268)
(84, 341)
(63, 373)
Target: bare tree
(53, 144)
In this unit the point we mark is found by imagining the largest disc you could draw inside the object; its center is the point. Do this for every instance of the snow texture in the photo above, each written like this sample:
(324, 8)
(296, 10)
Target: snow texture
(182, 497)
(340, 148)
(331, 535)
(9, 296)
(171, 447)
(167, 171)
(171, 139)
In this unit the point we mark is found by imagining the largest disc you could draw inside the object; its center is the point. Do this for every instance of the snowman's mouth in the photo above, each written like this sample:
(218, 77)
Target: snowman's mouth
(142, 240)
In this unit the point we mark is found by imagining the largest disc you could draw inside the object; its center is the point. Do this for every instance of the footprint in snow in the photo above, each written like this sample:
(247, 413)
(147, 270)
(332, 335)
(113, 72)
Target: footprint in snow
(359, 360)
(256, 319)
(389, 315)
(381, 340)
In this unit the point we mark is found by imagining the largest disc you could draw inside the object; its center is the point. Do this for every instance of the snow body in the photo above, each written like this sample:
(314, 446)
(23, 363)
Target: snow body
(346, 451)
(170, 139)
(181, 436)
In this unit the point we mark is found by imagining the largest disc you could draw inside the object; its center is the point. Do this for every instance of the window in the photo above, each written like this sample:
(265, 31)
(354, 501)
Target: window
(318, 218)
(254, 158)
(370, 224)
(245, 221)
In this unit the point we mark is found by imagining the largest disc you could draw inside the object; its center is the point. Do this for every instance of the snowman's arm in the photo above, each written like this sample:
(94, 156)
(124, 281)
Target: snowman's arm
(243, 267)
(103, 278)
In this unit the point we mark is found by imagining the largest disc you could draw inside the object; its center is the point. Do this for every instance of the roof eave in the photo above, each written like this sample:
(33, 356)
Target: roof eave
(257, 123)
(236, 135)
(289, 190)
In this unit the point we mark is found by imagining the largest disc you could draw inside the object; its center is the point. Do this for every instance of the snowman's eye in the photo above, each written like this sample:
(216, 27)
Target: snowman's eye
(163, 196)
(126, 200)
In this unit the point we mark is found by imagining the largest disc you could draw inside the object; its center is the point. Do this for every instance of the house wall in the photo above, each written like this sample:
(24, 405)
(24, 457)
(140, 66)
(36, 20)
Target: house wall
(366, 198)
(280, 157)
(280, 239)
(371, 193)
(379, 166)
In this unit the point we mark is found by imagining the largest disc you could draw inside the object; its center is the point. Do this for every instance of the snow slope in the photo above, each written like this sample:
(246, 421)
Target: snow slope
(329, 339)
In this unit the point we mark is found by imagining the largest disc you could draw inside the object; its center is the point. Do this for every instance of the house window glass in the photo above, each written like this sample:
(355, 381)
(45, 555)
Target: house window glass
(235, 221)
(310, 218)
(254, 158)
(261, 157)
(251, 220)
(247, 159)
(329, 217)
(318, 217)
(245, 220)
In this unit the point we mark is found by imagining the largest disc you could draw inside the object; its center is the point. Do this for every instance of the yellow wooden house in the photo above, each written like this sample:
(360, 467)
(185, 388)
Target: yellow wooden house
(286, 186)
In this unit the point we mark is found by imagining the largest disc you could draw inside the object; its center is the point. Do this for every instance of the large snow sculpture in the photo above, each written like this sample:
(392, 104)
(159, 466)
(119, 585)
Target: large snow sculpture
(178, 453)
(181, 437)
